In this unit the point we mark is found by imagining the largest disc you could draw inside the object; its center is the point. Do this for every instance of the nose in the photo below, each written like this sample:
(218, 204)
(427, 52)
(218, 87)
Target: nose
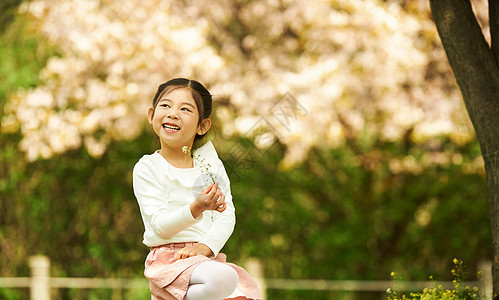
(172, 114)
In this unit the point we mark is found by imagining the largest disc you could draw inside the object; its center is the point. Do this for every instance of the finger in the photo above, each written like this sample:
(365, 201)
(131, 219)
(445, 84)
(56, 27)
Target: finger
(183, 253)
(215, 201)
(221, 200)
(207, 189)
(213, 189)
(222, 207)
(218, 195)
(178, 255)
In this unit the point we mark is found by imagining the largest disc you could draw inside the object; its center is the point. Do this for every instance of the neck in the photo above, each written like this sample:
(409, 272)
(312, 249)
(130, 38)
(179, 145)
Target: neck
(176, 157)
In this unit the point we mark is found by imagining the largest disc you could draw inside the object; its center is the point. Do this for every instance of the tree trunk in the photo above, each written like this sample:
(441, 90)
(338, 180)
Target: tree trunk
(475, 67)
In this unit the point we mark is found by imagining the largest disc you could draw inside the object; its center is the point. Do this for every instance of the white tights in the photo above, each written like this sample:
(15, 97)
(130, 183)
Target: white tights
(212, 281)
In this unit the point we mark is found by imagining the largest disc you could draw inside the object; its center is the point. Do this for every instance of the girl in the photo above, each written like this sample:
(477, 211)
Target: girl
(186, 222)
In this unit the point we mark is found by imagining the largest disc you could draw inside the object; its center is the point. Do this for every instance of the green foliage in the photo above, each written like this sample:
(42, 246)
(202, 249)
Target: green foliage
(341, 214)
(13, 294)
(23, 53)
(460, 291)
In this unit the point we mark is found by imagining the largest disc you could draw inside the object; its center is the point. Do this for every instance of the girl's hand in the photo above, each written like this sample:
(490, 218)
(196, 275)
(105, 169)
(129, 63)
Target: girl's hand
(210, 198)
(198, 249)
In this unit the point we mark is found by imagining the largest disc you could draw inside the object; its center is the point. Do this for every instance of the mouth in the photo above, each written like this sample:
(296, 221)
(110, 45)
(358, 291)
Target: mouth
(171, 127)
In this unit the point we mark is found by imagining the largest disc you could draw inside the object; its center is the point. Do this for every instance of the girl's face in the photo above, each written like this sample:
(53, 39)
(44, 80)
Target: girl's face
(175, 119)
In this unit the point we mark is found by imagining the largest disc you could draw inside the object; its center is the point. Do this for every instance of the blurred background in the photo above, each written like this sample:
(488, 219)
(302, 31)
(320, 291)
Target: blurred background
(350, 152)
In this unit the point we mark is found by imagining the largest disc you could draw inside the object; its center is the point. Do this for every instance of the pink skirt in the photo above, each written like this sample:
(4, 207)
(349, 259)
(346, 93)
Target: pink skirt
(169, 279)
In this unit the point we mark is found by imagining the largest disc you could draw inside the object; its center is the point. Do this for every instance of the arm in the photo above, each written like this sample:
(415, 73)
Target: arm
(154, 206)
(219, 233)
(224, 222)
(221, 228)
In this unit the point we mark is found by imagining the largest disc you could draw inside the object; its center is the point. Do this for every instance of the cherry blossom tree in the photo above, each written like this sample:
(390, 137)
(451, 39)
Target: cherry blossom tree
(356, 68)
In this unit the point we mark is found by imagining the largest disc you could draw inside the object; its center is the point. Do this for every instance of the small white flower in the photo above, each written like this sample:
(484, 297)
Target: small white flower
(186, 150)
(205, 167)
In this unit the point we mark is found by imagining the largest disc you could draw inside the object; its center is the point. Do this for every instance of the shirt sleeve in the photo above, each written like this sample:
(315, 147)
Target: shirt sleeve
(154, 206)
(223, 223)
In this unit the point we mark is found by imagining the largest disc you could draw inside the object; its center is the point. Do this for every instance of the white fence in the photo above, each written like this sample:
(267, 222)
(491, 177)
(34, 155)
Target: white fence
(40, 283)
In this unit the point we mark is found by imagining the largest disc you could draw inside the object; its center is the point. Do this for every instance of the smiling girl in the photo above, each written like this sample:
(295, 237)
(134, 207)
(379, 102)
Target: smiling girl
(186, 221)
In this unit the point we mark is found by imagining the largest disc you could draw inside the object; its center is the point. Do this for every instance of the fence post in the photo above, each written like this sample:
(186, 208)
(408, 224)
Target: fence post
(39, 281)
(485, 266)
(255, 269)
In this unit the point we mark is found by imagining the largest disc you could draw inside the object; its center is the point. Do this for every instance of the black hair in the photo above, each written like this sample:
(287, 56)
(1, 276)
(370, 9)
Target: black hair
(199, 93)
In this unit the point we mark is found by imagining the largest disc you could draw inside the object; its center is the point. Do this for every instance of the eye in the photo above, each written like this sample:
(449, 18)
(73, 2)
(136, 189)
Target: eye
(185, 109)
(164, 105)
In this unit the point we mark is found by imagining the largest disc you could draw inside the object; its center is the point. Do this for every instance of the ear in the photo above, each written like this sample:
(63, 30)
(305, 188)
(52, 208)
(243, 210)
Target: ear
(204, 126)
(150, 114)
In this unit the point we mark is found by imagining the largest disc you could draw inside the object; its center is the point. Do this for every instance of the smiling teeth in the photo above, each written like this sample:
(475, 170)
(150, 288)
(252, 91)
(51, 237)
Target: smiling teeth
(171, 127)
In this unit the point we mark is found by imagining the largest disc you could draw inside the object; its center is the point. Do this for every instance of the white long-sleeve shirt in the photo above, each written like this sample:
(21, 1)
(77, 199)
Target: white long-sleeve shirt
(164, 194)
